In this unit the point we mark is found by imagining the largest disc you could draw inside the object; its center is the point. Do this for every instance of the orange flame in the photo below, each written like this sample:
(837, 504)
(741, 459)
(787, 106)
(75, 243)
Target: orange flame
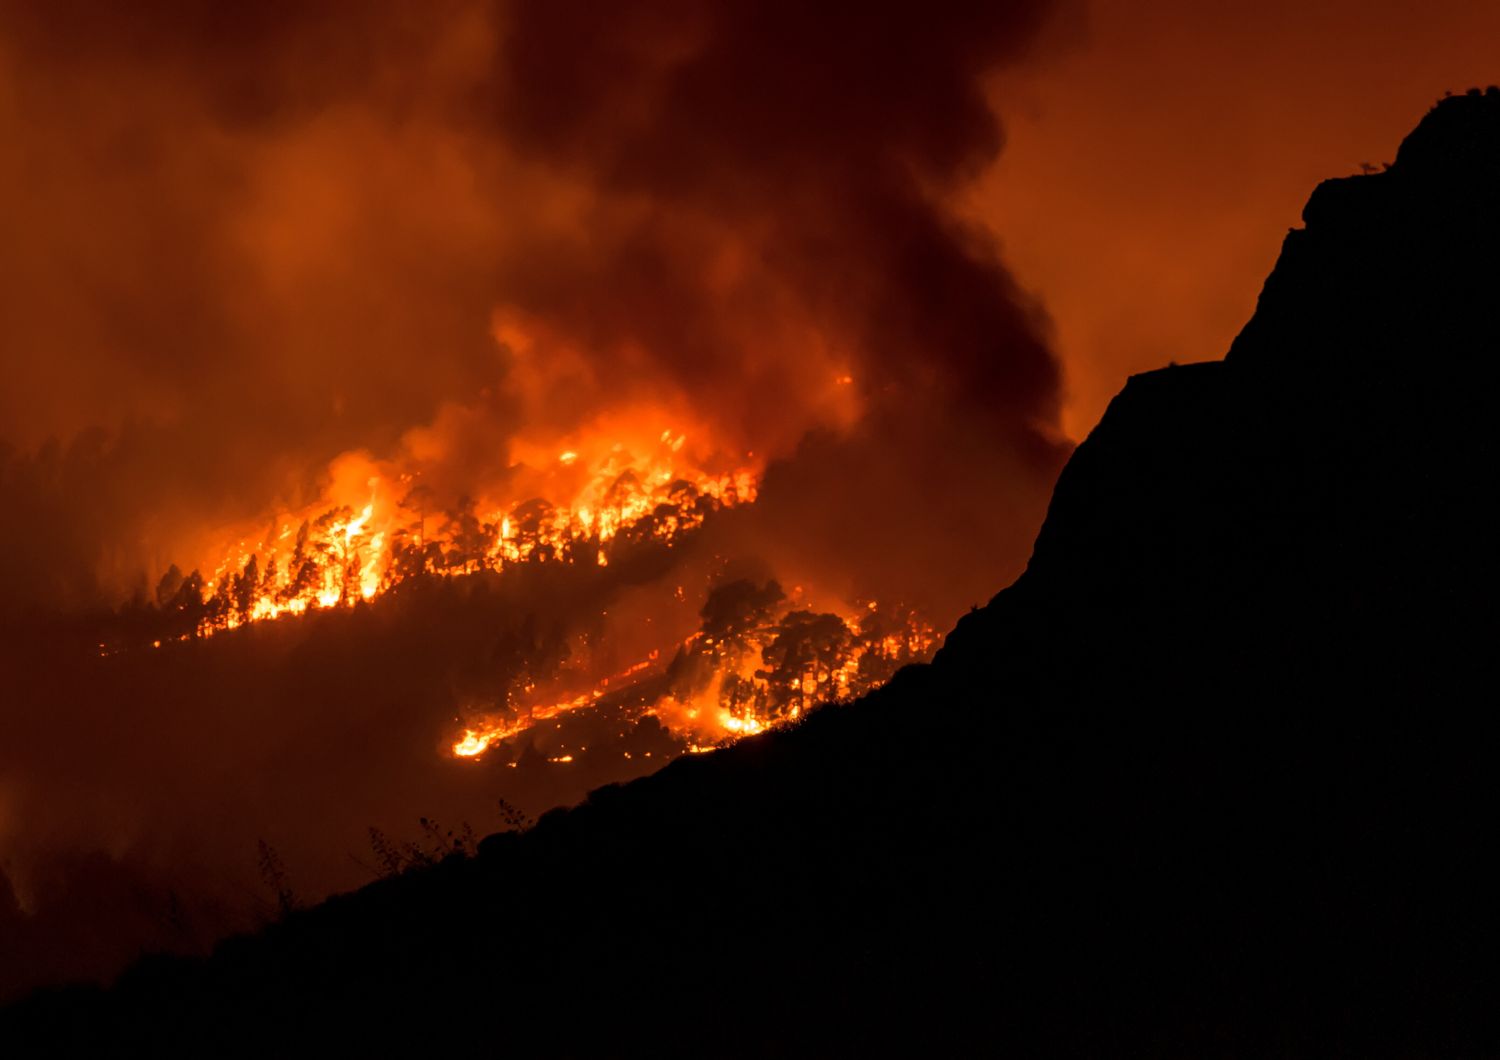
(589, 493)
(745, 693)
(377, 527)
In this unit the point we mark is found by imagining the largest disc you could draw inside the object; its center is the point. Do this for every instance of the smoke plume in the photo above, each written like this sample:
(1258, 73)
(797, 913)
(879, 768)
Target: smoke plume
(245, 241)
(254, 250)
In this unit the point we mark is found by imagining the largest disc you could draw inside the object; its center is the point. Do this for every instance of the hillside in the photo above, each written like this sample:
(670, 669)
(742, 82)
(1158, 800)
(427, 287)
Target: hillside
(1214, 777)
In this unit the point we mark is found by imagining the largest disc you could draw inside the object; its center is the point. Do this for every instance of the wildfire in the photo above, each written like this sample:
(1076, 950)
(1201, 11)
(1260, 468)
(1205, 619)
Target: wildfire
(756, 665)
(760, 660)
(478, 739)
(590, 502)
(475, 741)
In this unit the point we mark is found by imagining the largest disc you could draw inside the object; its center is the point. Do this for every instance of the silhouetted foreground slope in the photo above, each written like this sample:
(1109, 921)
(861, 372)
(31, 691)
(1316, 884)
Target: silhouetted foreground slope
(1214, 777)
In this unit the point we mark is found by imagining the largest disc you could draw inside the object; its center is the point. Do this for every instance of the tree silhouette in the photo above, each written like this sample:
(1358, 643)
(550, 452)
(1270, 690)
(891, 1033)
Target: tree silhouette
(801, 659)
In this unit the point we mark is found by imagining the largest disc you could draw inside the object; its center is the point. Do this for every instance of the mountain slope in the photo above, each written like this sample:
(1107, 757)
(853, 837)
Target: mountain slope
(1213, 777)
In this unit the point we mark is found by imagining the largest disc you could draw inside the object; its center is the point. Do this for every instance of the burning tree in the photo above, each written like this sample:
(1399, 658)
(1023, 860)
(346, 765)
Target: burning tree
(808, 649)
(753, 664)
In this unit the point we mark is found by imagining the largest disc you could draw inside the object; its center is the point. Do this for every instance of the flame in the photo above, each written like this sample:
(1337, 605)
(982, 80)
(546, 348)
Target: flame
(752, 684)
(350, 549)
(477, 739)
(586, 495)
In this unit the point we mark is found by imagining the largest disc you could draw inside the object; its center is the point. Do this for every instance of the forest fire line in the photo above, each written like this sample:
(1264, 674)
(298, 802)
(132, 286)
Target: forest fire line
(335, 556)
(759, 660)
(487, 732)
(755, 664)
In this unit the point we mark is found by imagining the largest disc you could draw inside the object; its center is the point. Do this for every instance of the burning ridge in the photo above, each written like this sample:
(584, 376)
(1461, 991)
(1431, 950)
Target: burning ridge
(761, 657)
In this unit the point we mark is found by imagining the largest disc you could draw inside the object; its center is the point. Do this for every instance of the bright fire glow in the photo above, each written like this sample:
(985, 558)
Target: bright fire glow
(587, 497)
(590, 499)
(726, 687)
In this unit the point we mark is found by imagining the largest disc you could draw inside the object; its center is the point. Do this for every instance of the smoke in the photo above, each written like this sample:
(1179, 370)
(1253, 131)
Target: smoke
(785, 170)
(252, 250)
(239, 243)
(244, 242)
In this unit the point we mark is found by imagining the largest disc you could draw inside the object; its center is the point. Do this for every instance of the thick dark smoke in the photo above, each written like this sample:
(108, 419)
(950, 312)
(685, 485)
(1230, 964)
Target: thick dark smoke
(806, 146)
(245, 239)
(240, 240)
(812, 150)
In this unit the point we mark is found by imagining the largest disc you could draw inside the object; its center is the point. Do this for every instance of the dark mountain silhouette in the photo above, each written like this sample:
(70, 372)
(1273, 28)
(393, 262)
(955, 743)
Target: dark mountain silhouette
(1214, 777)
